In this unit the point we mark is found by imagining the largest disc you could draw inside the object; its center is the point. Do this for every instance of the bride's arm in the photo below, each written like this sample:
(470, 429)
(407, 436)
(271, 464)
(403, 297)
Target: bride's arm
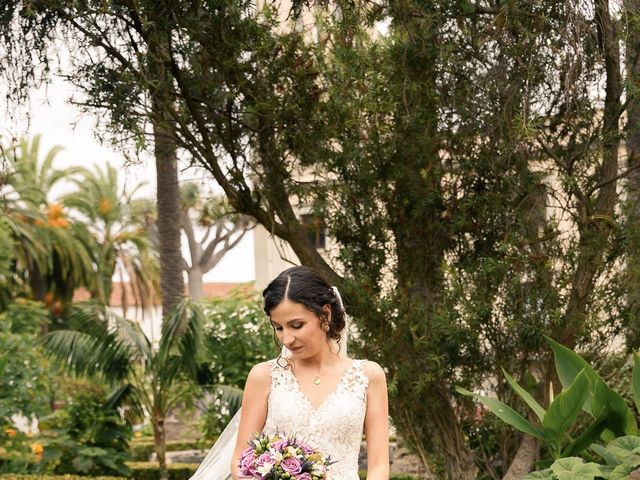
(376, 423)
(254, 410)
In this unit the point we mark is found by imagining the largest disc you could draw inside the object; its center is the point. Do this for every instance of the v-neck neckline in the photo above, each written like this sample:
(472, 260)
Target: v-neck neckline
(331, 394)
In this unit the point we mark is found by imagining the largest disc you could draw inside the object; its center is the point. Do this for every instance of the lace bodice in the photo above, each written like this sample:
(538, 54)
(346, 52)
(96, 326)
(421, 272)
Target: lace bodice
(335, 427)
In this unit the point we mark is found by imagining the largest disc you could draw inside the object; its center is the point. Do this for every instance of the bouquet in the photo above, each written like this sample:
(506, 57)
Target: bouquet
(273, 457)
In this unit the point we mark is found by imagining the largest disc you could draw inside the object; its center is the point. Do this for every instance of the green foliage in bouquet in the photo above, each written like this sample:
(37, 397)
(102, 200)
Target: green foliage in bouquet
(610, 437)
(87, 436)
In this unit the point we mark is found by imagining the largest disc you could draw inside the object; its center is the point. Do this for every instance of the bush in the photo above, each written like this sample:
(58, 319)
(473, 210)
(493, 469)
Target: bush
(402, 476)
(142, 449)
(237, 335)
(86, 436)
(151, 471)
(17, 476)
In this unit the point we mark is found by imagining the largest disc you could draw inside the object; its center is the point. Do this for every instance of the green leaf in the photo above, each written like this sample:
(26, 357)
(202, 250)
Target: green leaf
(564, 410)
(568, 365)
(526, 396)
(574, 468)
(542, 474)
(623, 448)
(620, 419)
(83, 464)
(622, 472)
(507, 414)
(587, 438)
(636, 380)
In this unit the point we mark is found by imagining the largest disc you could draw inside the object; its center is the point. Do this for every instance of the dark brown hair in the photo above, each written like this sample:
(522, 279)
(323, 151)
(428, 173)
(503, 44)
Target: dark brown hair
(306, 286)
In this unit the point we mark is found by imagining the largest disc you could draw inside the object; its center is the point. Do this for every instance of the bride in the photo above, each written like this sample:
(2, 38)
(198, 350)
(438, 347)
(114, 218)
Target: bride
(312, 391)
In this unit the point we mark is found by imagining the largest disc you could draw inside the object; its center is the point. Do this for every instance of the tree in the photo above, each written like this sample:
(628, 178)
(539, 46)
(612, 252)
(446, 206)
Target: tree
(466, 163)
(112, 349)
(52, 253)
(214, 217)
(120, 240)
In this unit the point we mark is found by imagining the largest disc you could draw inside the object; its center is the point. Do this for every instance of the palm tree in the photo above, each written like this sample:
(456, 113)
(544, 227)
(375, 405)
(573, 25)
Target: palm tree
(106, 347)
(121, 244)
(52, 254)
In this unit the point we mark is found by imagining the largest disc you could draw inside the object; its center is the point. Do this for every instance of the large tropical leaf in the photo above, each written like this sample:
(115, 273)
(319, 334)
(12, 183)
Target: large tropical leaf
(526, 396)
(507, 414)
(564, 410)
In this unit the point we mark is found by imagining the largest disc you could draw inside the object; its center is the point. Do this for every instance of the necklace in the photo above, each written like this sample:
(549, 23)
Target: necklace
(317, 379)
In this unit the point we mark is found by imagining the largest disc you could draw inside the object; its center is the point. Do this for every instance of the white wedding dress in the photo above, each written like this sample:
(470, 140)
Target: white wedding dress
(335, 427)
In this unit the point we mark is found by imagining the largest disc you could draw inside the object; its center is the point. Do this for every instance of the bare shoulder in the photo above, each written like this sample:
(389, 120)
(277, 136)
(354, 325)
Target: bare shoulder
(260, 375)
(374, 371)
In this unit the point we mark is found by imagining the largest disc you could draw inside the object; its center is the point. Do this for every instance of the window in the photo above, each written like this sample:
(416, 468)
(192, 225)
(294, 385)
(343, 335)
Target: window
(314, 227)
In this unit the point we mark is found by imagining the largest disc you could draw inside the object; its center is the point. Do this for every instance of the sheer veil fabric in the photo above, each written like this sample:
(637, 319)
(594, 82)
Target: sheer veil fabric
(217, 464)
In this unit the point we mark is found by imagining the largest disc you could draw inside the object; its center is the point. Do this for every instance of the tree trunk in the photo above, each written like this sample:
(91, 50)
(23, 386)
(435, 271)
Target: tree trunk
(168, 197)
(168, 191)
(159, 439)
(632, 43)
(524, 460)
(195, 274)
(594, 232)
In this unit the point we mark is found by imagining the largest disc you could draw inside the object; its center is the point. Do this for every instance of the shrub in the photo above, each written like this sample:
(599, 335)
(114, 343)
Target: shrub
(86, 436)
(151, 471)
(237, 335)
(141, 450)
(18, 476)
(610, 438)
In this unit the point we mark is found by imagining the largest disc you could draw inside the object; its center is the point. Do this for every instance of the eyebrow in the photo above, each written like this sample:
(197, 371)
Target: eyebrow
(288, 323)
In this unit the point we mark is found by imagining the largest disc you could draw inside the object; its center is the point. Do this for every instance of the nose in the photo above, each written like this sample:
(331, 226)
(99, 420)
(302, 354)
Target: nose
(288, 339)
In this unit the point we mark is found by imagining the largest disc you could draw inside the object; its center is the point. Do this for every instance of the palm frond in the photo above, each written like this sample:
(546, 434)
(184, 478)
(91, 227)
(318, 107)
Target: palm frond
(99, 357)
(126, 396)
(182, 335)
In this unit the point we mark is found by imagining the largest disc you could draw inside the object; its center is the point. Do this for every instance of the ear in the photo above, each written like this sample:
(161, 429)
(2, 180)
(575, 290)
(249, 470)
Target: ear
(327, 311)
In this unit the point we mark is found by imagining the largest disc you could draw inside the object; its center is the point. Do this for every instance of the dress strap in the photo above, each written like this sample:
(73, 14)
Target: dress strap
(356, 381)
(279, 375)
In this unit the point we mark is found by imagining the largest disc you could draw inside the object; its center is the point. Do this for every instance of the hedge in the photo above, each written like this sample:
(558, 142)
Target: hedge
(150, 470)
(33, 476)
(141, 450)
(398, 476)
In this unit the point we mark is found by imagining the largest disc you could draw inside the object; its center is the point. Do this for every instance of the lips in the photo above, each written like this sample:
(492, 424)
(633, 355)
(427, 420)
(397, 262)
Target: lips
(294, 349)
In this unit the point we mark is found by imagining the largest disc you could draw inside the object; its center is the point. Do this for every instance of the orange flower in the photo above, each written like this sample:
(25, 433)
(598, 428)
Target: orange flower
(104, 207)
(37, 449)
(55, 216)
(55, 210)
(11, 432)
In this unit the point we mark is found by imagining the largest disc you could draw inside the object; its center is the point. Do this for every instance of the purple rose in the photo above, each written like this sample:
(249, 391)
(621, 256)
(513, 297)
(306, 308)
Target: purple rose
(264, 459)
(303, 476)
(306, 449)
(291, 465)
(247, 462)
(280, 445)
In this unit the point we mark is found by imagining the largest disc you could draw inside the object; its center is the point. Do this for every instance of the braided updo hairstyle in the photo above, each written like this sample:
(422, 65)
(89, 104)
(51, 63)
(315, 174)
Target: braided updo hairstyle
(306, 286)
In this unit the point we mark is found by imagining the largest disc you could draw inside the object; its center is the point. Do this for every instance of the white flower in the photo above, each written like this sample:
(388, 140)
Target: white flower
(277, 456)
(265, 468)
(291, 451)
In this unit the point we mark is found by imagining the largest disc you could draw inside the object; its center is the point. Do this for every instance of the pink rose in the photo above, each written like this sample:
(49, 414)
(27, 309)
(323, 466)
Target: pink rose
(247, 462)
(291, 465)
(280, 445)
(306, 449)
(263, 459)
(303, 476)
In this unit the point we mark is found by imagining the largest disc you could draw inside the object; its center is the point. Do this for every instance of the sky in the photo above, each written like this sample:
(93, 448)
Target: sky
(60, 123)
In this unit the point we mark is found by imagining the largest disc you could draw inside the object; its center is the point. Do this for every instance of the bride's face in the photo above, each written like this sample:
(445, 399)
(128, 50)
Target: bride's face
(299, 329)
